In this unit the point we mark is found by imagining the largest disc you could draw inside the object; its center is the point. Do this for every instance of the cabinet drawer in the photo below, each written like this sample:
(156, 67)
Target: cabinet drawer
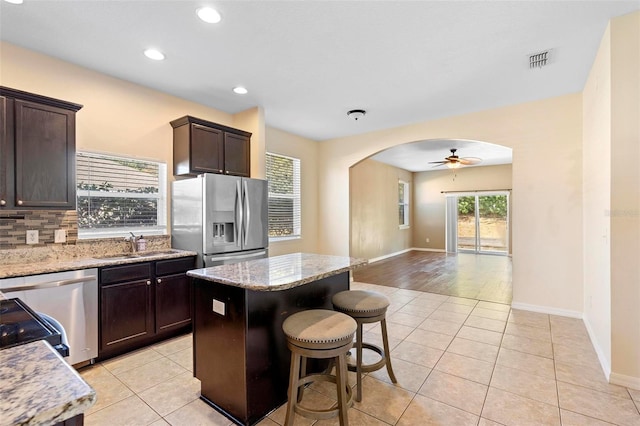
(174, 266)
(115, 274)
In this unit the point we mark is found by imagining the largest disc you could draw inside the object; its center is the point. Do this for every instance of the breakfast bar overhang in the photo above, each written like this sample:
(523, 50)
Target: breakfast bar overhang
(239, 348)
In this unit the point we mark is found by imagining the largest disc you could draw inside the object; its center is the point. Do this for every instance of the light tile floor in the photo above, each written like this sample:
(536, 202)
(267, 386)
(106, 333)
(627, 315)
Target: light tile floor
(458, 362)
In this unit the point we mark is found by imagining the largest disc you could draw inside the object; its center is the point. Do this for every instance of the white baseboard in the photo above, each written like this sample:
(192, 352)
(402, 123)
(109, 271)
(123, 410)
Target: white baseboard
(429, 249)
(626, 381)
(386, 256)
(547, 310)
(604, 362)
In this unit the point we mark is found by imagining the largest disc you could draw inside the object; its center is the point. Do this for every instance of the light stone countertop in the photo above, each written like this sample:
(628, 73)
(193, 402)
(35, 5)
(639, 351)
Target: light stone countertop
(39, 388)
(34, 268)
(278, 272)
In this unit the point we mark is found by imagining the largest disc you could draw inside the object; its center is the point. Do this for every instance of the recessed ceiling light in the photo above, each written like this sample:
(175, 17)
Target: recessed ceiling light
(240, 90)
(209, 15)
(14, 1)
(154, 54)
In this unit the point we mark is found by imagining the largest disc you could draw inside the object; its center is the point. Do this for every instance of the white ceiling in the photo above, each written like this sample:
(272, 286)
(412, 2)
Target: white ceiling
(309, 62)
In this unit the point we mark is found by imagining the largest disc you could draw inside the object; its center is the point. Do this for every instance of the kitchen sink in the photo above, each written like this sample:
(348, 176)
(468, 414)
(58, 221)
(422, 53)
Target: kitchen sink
(137, 254)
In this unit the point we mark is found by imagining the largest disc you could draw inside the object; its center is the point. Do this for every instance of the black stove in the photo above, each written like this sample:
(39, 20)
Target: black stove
(20, 325)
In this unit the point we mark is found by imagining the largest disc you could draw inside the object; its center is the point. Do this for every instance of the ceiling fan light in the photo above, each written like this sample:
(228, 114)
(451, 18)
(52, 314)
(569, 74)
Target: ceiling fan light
(453, 165)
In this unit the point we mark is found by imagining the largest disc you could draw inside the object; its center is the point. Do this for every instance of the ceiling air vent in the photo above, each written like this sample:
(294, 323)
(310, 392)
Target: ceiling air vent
(540, 59)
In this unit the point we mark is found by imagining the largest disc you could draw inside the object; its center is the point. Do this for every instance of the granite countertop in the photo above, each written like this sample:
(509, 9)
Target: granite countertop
(278, 272)
(39, 388)
(34, 268)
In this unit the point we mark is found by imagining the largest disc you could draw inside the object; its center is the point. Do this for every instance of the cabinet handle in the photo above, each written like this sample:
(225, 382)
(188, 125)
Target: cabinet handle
(148, 282)
(19, 202)
(3, 203)
(159, 280)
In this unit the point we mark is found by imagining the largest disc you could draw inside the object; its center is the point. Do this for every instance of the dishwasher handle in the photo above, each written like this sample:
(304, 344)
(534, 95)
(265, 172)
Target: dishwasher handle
(50, 284)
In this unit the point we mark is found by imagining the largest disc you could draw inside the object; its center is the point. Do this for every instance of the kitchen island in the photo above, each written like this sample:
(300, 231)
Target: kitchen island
(239, 348)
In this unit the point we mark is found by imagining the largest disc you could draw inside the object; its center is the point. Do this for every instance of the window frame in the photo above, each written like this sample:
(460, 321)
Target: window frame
(123, 232)
(296, 197)
(404, 203)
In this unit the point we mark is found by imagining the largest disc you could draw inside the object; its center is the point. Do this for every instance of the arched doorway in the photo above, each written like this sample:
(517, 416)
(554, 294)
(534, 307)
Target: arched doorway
(380, 233)
(376, 183)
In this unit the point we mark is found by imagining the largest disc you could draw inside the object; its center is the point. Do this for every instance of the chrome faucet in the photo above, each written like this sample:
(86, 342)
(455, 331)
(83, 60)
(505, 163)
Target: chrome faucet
(132, 241)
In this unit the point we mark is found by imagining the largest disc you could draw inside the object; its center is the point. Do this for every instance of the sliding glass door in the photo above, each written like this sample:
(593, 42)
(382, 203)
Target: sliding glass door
(478, 222)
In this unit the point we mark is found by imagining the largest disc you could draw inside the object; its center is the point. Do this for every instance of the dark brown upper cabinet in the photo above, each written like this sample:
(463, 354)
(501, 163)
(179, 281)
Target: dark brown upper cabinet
(201, 146)
(37, 151)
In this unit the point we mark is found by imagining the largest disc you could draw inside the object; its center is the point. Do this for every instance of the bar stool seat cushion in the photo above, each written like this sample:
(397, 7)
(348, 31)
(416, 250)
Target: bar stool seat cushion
(319, 329)
(360, 303)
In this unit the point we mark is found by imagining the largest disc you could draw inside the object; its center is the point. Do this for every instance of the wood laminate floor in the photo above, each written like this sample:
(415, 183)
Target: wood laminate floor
(481, 277)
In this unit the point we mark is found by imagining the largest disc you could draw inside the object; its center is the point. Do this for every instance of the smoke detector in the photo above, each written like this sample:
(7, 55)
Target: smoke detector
(540, 59)
(356, 114)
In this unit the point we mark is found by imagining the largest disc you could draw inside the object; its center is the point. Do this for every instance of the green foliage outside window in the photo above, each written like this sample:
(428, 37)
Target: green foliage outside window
(490, 205)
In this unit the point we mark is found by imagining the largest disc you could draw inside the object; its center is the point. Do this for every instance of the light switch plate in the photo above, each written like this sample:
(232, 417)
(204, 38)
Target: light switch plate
(218, 307)
(60, 236)
(32, 236)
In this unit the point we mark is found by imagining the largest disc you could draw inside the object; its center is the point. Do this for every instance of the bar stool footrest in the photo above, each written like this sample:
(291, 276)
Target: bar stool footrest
(328, 413)
(368, 368)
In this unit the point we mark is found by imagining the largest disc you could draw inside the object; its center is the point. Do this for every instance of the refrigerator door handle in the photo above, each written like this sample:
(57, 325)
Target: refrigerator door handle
(247, 212)
(237, 232)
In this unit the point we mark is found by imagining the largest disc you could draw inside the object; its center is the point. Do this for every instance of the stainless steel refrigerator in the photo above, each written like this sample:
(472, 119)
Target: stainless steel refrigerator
(222, 218)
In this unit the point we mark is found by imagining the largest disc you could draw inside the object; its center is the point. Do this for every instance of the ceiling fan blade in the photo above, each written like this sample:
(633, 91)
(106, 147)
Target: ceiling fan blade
(468, 161)
(442, 163)
(438, 162)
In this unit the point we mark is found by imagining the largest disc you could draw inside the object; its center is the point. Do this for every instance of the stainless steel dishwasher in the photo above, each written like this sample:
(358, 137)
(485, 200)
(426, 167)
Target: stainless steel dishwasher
(71, 298)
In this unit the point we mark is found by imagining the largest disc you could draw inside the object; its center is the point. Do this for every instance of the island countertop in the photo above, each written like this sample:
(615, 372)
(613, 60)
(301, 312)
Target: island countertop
(38, 387)
(278, 272)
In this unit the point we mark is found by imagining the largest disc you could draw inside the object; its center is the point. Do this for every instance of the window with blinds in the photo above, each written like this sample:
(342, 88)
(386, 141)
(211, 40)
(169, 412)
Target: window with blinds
(403, 204)
(283, 174)
(118, 195)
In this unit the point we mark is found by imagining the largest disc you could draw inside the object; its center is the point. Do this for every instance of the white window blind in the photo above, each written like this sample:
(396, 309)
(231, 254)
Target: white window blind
(283, 174)
(403, 204)
(118, 195)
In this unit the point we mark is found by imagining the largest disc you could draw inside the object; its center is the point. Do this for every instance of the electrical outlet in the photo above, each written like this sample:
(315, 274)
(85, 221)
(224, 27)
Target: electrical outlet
(60, 236)
(427, 239)
(218, 307)
(32, 236)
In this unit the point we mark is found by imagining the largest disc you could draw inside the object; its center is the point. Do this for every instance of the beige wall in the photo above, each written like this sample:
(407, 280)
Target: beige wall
(119, 117)
(283, 143)
(625, 199)
(374, 210)
(597, 201)
(429, 206)
(546, 138)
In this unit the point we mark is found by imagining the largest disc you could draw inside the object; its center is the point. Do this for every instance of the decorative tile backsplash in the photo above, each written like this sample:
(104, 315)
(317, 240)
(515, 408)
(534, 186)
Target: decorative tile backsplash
(14, 225)
(13, 238)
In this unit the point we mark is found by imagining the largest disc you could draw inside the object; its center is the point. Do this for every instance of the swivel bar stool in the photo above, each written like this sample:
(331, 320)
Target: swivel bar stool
(319, 333)
(366, 307)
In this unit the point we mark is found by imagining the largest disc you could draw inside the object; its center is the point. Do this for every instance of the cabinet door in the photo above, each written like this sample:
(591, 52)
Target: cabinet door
(207, 149)
(44, 156)
(126, 314)
(173, 302)
(236, 155)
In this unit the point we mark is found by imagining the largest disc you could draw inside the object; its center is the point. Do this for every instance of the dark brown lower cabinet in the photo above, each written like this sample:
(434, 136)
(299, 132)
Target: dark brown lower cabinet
(126, 313)
(142, 303)
(169, 314)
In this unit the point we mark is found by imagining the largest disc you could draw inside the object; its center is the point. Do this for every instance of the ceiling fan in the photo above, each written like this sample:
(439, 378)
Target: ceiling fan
(454, 162)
